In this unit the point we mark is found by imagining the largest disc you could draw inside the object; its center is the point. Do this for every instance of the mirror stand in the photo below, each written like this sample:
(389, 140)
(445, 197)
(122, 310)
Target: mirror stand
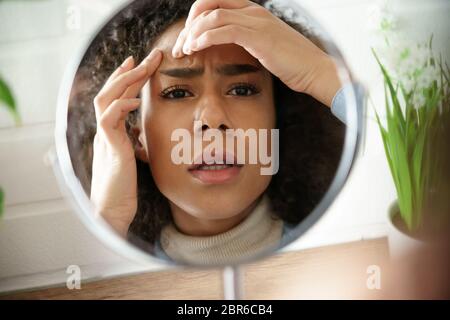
(233, 288)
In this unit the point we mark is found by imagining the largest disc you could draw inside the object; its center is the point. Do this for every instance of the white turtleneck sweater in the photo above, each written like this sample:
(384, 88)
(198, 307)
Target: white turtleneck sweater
(258, 232)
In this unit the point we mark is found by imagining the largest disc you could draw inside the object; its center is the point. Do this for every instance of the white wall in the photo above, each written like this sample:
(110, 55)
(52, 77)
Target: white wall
(39, 234)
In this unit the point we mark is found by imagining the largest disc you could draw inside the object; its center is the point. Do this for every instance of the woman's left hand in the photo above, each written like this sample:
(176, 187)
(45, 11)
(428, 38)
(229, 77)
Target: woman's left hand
(282, 50)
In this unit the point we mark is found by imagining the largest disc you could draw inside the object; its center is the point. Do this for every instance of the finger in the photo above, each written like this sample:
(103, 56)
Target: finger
(153, 61)
(200, 6)
(214, 20)
(177, 51)
(117, 113)
(227, 34)
(117, 87)
(127, 65)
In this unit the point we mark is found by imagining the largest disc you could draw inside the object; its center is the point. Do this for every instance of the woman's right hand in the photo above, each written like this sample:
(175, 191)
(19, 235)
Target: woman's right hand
(114, 173)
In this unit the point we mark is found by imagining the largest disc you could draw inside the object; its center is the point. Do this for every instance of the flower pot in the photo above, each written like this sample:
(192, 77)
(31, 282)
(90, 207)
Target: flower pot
(399, 239)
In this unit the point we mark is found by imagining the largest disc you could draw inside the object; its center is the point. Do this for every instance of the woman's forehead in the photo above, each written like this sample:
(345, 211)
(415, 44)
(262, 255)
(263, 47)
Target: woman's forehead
(222, 54)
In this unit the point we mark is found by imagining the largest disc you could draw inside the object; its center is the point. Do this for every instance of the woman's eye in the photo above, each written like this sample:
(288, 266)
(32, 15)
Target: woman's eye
(176, 93)
(243, 90)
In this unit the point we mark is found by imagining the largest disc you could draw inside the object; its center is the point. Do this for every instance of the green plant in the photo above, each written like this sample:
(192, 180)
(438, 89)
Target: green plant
(414, 138)
(7, 99)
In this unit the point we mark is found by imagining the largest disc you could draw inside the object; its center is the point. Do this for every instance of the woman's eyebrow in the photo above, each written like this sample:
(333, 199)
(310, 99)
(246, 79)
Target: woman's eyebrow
(226, 70)
(237, 69)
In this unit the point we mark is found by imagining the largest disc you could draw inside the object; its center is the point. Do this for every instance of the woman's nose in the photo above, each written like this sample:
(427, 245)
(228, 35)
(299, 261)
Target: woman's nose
(212, 113)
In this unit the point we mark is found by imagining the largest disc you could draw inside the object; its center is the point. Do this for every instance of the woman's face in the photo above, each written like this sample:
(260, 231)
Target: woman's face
(224, 87)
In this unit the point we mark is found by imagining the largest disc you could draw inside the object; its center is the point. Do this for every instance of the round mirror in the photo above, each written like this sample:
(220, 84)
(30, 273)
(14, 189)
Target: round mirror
(206, 133)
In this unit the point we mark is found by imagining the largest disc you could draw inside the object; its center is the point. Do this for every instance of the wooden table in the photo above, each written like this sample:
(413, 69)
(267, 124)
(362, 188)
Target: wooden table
(338, 271)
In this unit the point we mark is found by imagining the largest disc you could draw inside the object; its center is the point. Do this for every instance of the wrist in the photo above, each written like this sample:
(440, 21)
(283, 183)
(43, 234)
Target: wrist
(325, 82)
(119, 225)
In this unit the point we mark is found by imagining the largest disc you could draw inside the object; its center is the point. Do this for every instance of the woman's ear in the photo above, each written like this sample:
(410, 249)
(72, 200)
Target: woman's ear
(138, 139)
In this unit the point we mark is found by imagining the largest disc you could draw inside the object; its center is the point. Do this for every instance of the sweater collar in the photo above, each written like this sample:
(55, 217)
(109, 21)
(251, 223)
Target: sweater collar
(258, 232)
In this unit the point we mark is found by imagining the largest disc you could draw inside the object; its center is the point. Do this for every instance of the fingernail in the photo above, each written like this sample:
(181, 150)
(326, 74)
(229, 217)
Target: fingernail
(193, 44)
(127, 61)
(187, 45)
(175, 52)
(176, 48)
(154, 52)
(150, 56)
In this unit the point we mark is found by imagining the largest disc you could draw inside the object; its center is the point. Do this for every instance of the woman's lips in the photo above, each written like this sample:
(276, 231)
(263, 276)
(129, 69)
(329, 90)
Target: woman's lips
(216, 173)
(208, 171)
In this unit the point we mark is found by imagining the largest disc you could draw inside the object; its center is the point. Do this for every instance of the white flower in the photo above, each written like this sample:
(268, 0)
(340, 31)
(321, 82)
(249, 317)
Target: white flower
(410, 66)
(418, 100)
(380, 18)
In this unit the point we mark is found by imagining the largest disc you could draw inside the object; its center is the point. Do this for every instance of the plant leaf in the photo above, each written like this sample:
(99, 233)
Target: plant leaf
(393, 94)
(7, 99)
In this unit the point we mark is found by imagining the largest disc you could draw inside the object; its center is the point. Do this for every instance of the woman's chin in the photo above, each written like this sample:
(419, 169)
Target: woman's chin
(219, 207)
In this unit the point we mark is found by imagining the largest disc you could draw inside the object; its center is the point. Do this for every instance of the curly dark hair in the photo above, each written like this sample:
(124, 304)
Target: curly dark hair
(311, 138)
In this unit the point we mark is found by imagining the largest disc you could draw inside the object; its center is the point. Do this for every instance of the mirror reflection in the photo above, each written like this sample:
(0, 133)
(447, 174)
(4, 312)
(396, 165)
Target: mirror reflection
(202, 131)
